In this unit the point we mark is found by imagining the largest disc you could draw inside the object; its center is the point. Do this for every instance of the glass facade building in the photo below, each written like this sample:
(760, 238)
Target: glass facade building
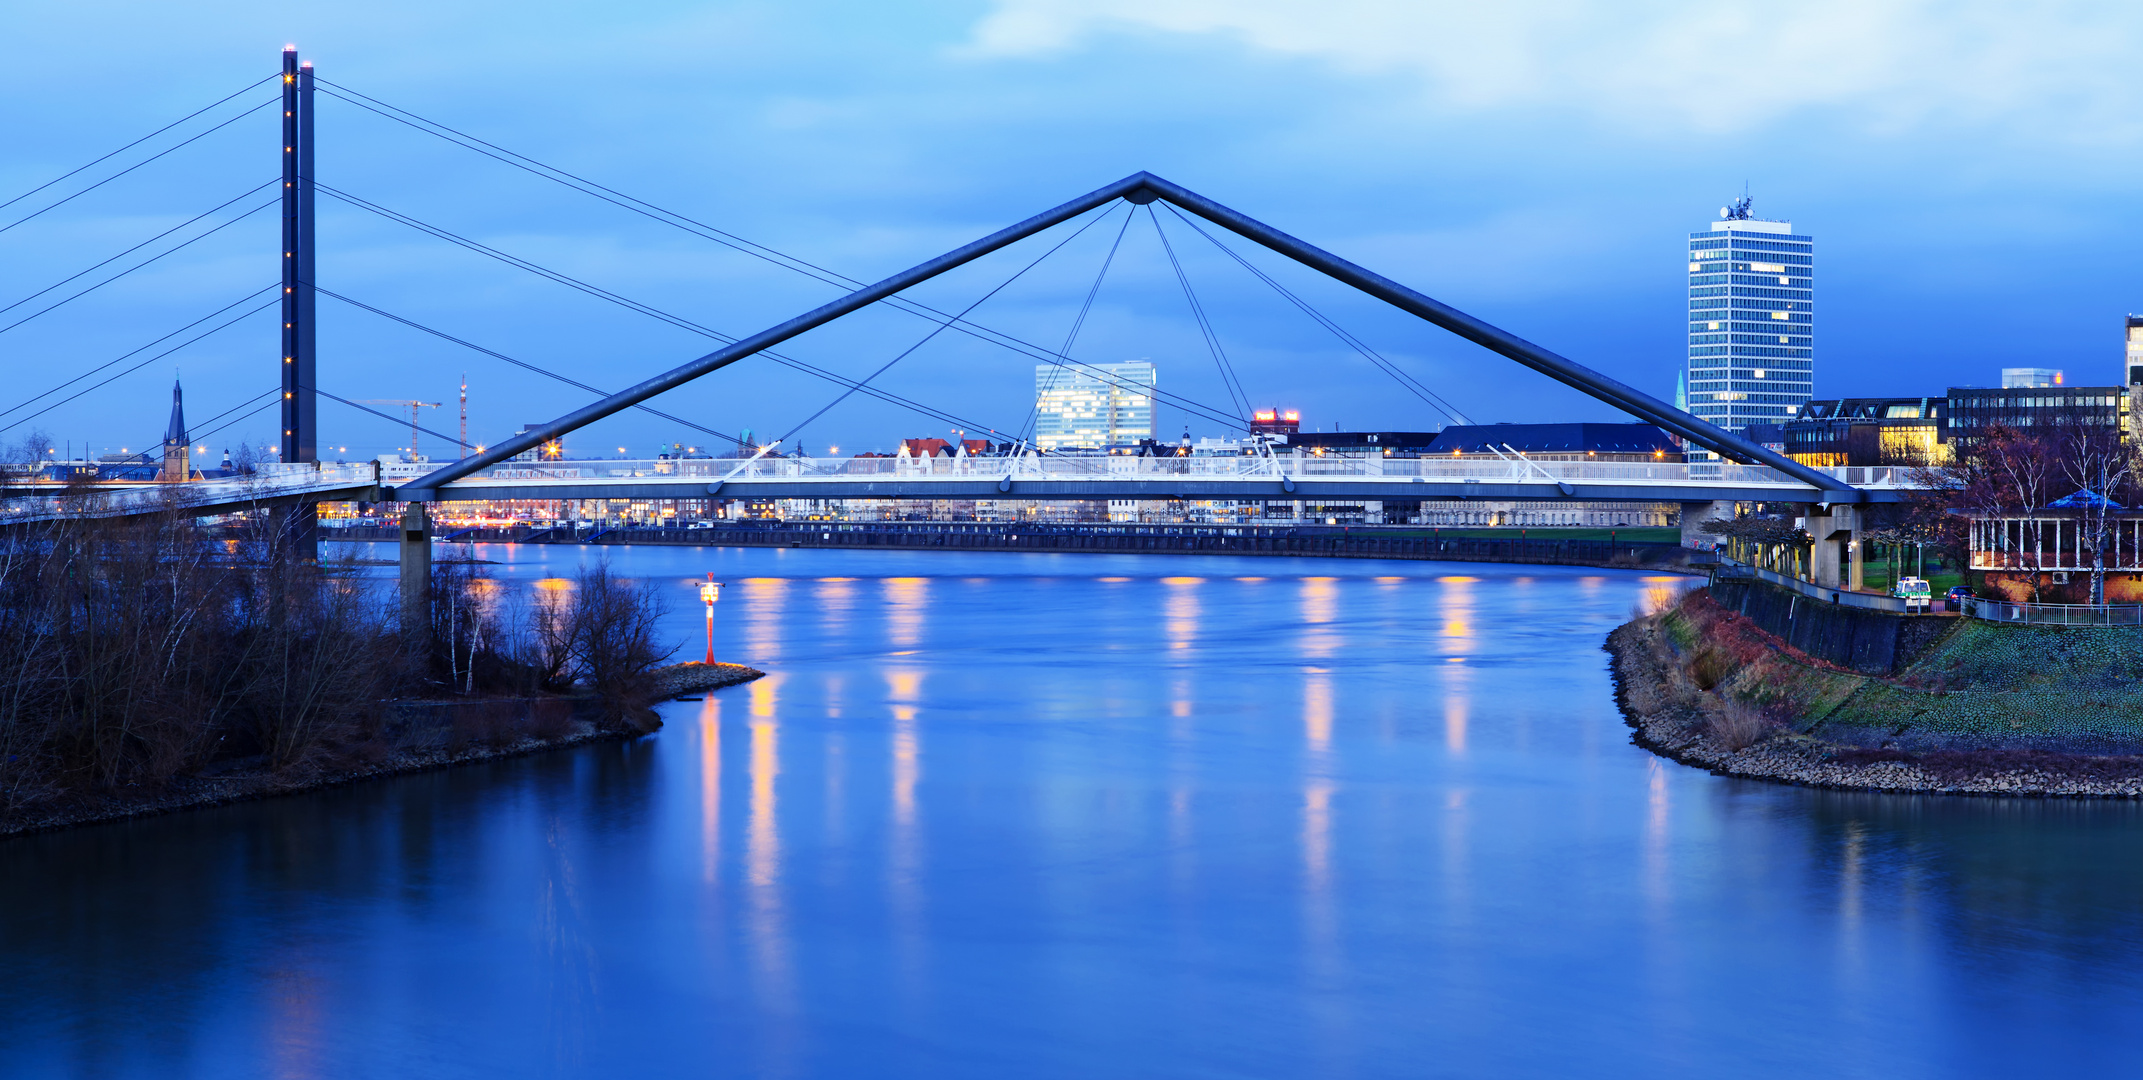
(1752, 320)
(1093, 405)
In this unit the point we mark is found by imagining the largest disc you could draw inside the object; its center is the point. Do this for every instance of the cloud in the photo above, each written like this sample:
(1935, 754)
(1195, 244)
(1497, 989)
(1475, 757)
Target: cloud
(1718, 65)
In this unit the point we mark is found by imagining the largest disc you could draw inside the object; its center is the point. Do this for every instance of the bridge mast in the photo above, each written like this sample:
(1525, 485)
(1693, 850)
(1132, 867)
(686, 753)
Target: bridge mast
(300, 442)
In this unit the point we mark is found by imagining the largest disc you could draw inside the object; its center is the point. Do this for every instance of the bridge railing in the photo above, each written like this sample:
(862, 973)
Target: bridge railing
(266, 482)
(2024, 614)
(1115, 466)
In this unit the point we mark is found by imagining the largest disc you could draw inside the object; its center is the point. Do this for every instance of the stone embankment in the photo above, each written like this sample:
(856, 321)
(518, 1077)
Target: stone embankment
(1704, 687)
(694, 677)
(421, 736)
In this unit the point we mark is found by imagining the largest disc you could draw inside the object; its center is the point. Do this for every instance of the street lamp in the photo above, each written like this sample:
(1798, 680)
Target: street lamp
(710, 590)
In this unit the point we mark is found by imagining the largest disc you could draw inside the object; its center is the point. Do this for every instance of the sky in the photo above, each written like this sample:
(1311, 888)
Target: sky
(1965, 168)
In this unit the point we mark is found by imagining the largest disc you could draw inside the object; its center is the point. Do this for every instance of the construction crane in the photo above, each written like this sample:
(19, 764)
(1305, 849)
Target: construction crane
(412, 406)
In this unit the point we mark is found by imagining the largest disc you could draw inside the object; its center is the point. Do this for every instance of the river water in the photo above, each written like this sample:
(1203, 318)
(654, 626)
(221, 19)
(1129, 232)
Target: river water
(1000, 815)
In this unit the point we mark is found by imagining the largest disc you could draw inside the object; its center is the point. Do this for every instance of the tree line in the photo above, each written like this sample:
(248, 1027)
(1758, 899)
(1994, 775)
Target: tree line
(138, 651)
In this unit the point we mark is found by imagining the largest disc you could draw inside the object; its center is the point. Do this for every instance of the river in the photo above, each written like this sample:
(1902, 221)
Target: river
(997, 815)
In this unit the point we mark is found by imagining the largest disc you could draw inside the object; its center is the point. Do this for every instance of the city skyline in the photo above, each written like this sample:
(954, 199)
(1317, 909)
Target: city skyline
(909, 139)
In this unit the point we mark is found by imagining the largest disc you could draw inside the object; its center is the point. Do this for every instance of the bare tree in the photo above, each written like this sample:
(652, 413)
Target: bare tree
(2100, 465)
(614, 635)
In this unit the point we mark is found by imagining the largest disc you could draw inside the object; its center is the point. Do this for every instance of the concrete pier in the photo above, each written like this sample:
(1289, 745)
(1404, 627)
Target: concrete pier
(416, 567)
(1836, 560)
(1695, 514)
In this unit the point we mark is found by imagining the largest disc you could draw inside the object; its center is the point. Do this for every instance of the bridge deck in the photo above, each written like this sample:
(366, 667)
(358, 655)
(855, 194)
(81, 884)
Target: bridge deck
(1304, 477)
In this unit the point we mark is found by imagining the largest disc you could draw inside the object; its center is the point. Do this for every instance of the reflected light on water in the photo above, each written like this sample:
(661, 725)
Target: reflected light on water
(1851, 867)
(1317, 715)
(1179, 613)
(1320, 606)
(765, 611)
(295, 1022)
(1456, 698)
(1658, 817)
(835, 598)
(1456, 612)
(1179, 709)
(907, 601)
(767, 923)
(763, 835)
(710, 787)
(1320, 910)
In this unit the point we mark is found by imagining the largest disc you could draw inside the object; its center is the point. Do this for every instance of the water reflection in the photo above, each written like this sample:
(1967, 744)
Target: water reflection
(906, 602)
(765, 616)
(1317, 717)
(763, 846)
(1179, 612)
(1319, 851)
(710, 786)
(1320, 606)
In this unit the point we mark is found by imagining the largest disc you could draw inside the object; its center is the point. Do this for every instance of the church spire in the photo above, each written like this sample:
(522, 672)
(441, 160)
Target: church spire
(178, 458)
(175, 431)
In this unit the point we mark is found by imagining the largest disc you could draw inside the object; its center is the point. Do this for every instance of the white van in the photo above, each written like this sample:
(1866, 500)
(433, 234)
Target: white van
(1915, 593)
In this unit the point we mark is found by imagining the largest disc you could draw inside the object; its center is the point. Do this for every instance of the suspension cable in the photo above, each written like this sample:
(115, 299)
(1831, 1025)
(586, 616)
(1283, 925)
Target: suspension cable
(137, 247)
(1078, 321)
(935, 330)
(708, 232)
(264, 407)
(397, 420)
(145, 363)
(169, 251)
(1418, 388)
(100, 367)
(444, 336)
(250, 110)
(227, 412)
(137, 142)
(651, 410)
(1228, 377)
(659, 314)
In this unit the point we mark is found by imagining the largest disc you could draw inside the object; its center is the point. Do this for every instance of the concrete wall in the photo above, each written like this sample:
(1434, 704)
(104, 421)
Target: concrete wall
(1870, 642)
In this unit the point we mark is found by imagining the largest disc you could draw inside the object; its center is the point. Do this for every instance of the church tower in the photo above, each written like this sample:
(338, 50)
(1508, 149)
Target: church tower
(178, 449)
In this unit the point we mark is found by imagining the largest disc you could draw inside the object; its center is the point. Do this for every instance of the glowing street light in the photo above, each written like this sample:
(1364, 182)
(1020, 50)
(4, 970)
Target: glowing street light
(710, 590)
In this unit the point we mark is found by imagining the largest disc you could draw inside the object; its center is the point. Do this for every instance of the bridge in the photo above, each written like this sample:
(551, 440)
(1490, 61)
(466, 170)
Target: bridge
(1743, 472)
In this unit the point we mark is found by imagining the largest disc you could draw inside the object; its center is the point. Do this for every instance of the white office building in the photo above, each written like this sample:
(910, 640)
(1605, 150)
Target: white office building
(1092, 405)
(1752, 320)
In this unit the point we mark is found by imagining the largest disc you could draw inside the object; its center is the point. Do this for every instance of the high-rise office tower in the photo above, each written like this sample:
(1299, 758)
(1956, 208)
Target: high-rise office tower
(1092, 405)
(2134, 367)
(1752, 320)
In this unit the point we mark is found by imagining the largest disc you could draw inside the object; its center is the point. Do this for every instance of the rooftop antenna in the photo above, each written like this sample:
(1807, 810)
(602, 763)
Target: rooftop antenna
(1738, 210)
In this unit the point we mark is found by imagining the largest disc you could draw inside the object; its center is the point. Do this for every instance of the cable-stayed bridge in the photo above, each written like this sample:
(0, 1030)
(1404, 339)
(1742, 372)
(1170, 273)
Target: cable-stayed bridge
(1744, 472)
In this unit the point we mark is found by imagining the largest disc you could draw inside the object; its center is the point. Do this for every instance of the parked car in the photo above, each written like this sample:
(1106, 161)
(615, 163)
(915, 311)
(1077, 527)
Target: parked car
(1954, 601)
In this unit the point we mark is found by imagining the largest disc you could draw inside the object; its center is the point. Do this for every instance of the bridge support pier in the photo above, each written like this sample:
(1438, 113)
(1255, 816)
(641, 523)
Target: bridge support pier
(416, 569)
(1836, 562)
(1695, 514)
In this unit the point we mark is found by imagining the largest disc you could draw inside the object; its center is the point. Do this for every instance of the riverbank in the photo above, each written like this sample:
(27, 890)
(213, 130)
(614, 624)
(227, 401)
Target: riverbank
(425, 736)
(1986, 710)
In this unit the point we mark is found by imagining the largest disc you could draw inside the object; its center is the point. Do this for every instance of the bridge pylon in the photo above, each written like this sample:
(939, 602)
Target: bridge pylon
(300, 411)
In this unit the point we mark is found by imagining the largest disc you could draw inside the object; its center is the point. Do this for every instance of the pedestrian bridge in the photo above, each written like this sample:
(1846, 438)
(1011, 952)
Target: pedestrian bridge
(1293, 476)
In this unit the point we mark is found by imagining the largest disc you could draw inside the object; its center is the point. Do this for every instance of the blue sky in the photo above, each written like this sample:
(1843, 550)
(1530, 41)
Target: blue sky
(1965, 167)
